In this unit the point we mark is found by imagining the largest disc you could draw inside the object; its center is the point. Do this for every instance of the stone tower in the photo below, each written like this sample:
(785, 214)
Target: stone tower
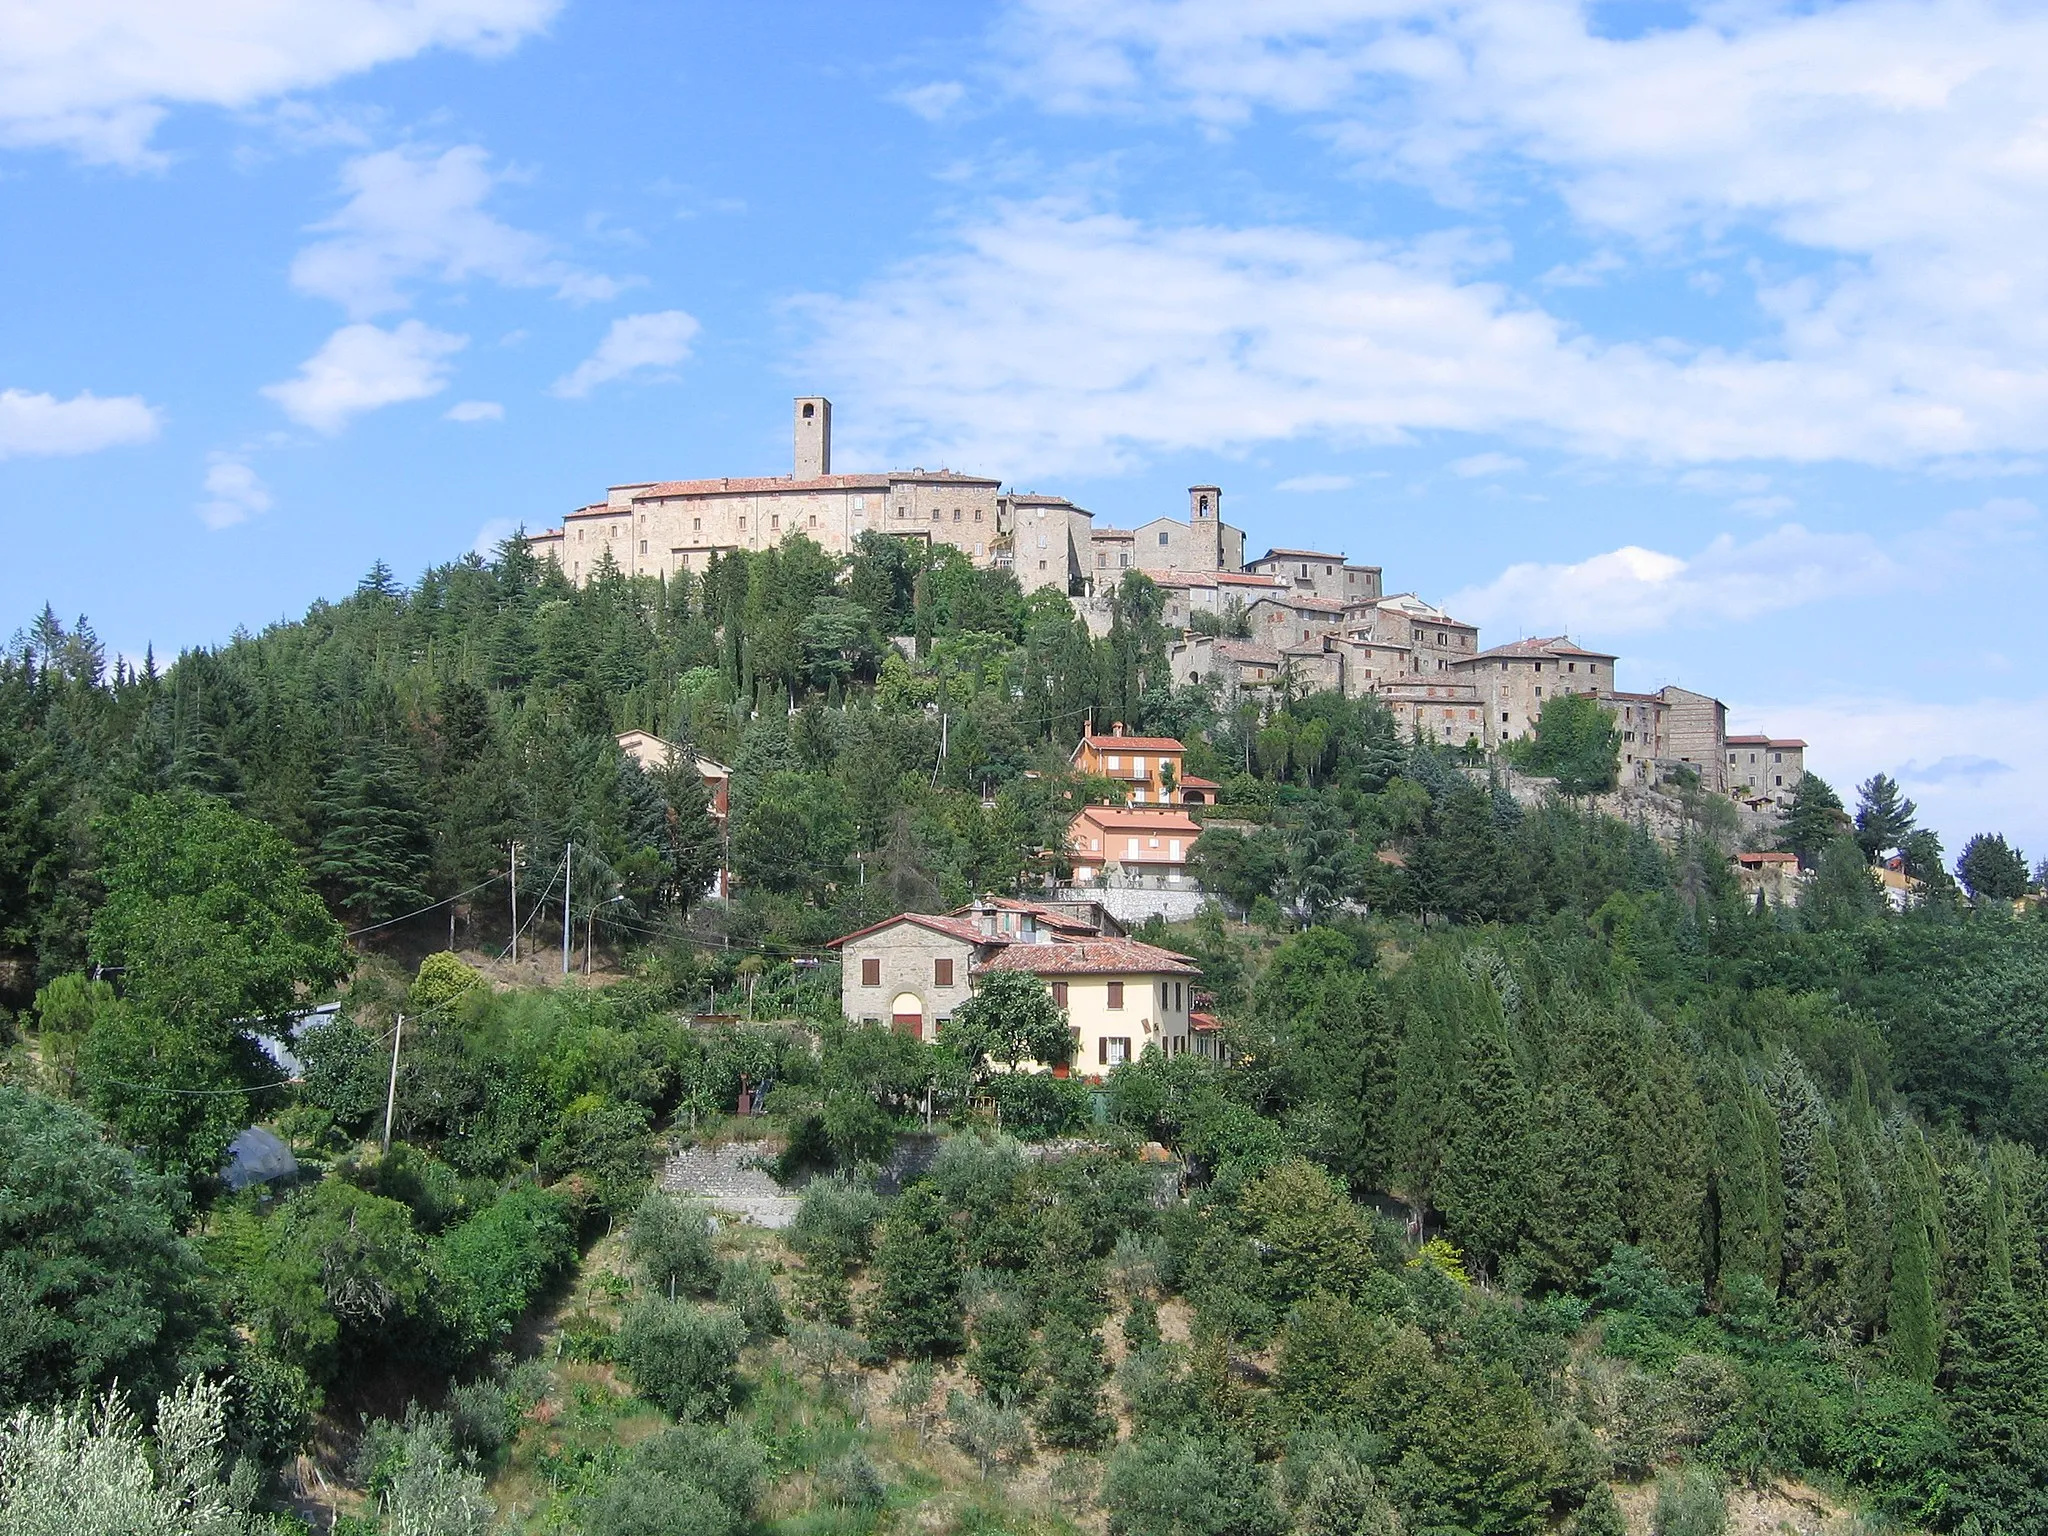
(1205, 523)
(813, 437)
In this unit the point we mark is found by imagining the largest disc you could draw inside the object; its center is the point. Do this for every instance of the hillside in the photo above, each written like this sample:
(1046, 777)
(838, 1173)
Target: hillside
(1551, 1184)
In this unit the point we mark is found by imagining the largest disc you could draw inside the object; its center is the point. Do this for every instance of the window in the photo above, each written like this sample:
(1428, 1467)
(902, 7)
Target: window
(942, 971)
(1123, 557)
(1329, 570)
(871, 971)
(1176, 996)
(579, 535)
(1162, 538)
(643, 546)
(743, 522)
(814, 519)
(1571, 666)
(1442, 638)
(1113, 1051)
(860, 504)
(902, 512)
(810, 410)
(1115, 762)
(1137, 765)
(977, 514)
(956, 514)
(774, 522)
(696, 525)
(1101, 561)
(1162, 997)
(1776, 757)
(1116, 995)
(1173, 849)
(1041, 565)
(935, 514)
(1130, 847)
(1059, 993)
(1778, 779)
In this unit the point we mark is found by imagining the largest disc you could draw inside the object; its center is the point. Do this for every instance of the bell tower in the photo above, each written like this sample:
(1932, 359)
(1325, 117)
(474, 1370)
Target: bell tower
(813, 437)
(1205, 523)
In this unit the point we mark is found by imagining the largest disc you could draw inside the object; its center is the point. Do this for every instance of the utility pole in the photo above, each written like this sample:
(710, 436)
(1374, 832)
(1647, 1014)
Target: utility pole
(568, 889)
(515, 903)
(391, 1093)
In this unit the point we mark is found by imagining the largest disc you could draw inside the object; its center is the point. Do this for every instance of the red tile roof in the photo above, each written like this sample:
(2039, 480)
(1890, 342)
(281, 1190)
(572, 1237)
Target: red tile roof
(1045, 915)
(1767, 858)
(1162, 819)
(1135, 743)
(1195, 781)
(1091, 957)
(1244, 651)
(952, 927)
(1204, 1023)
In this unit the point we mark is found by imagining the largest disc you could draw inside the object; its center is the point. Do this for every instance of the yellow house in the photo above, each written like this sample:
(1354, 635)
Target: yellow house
(1120, 996)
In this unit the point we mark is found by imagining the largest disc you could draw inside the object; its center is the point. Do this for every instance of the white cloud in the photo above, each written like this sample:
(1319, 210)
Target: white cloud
(1898, 144)
(1310, 484)
(1973, 764)
(96, 76)
(86, 423)
(235, 493)
(491, 535)
(1480, 465)
(475, 410)
(634, 343)
(1762, 506)
(934, 101)
(414, 214)
(1633, 589)
(1049, 338)
(361, 368)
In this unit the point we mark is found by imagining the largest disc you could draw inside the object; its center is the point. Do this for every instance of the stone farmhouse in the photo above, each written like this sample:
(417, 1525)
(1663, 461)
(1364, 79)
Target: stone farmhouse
(1304, 619)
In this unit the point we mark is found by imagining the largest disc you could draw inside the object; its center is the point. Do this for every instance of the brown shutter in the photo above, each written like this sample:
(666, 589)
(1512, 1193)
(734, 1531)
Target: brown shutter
(1059, 993)
(871, 971)
(1102, 1051)
(1116, 994)
(942, 972)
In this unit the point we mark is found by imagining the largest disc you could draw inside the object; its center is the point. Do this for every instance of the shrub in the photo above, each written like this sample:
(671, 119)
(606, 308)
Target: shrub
(1690, 1503)
(498, 1261)
(482, 1418)
(688, 1481)
(442, 979)
(670, 1244)
(748, 1287)
(1188, 1487)
(681, 1355)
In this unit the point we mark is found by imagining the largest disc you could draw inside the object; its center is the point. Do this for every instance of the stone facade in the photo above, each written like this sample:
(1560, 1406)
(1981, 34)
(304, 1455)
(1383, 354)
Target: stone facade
(1765, 769)
(1696, 735)
(910, 972)
(1318, 573)
(1044, 540)
(1514, 680)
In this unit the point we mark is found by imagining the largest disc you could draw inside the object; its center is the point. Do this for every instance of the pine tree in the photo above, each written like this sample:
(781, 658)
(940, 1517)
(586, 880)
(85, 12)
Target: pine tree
(1481, 1186)
(1740, 1192)
(373, 846)
(1884, 817)
(1998, 1412)
(1815, 820)
(1668, 1160)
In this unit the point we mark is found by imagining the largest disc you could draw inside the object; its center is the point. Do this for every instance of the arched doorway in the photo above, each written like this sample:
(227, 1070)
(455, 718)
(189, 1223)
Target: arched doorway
(906, 1015)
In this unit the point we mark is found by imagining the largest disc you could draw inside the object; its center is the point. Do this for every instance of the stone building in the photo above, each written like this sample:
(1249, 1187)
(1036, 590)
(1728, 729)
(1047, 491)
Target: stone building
(1514, 680)
(1639, 717)
(1238, 668)
(1448, 710)
(1284, 619)
(1045, 540)
(1765, 770)
(1696, 735)
(1318, 573)
(1167, 545)
(911, 971)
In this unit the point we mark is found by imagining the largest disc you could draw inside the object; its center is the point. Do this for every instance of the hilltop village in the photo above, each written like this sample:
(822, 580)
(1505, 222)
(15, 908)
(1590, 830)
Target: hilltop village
(1289, 620)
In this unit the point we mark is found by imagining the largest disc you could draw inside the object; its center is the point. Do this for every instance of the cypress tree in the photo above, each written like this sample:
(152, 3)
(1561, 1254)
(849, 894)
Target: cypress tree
(1998, 1412)
(1739, 1186)
(1814, 1268)
(1912, 1325)
(1573, 1216)
(1668, 1160)
(1481, 1186)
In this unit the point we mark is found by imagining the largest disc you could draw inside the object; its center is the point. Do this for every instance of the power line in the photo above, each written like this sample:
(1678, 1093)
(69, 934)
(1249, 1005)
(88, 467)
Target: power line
(349, 933)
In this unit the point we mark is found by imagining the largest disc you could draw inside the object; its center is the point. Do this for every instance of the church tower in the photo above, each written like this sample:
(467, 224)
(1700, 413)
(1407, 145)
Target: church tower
(1205, 522)
(813, 437)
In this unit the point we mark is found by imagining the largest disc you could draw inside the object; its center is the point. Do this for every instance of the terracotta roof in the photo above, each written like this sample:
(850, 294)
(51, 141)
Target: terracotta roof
(1204, 1023)
(1304, 648)
(1196, 781)
(952, 927)
(1249, 579)
(1137, 743)
(1788, 741)
(1146, 818)
(1045, 915)
(1245, 651)
(1111, 533)
(1090, 957)
(1298, 554)
(1312, 604)
(1540, 650)
(1748, 741)
(1031, 499)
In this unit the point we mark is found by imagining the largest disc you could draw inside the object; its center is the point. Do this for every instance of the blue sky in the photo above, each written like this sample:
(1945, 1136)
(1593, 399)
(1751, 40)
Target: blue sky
(1714, 335)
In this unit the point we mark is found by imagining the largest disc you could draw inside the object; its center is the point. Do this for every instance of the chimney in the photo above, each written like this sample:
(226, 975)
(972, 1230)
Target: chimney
(813, 437)
(1116, 728)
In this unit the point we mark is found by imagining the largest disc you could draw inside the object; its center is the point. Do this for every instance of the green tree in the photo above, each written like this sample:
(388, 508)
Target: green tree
(98, 1283)
(1884, 817)
(1577, 743)
(1816, 1255)
(1572, 1188)
(1990, 870)
(1815, 820)
(374, 849)
(1912, 1323)
(1071, 1414)
(1011, 1019)
(670, 1244)
(1003, 1354)
(683, 1356)
(1843, 893)
(916, 1306)
(1480, 1188)
(1184, 1486)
